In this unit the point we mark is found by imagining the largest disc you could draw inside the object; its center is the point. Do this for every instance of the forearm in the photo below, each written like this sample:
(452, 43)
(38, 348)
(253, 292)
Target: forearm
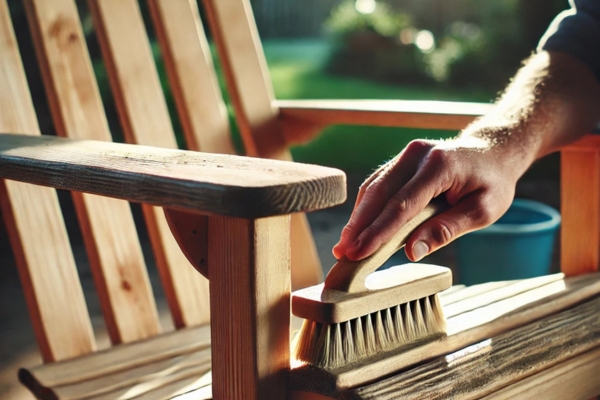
(553, 100)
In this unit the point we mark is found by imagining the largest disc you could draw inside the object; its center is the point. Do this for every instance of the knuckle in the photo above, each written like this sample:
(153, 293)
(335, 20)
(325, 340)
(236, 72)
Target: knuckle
(443, 233)
(349, 230)
(481, 214)
(417, 145)
(439, 157)
(398, 203)
(371, 232)
(376, 189)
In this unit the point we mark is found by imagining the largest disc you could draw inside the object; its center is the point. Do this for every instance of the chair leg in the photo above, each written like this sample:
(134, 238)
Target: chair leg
(580, 208)
(249, 269)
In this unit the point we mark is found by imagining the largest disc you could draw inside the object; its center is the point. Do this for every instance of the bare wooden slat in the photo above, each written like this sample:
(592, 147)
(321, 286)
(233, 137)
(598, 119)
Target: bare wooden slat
(463, 330)
(201, 182)
(137, 380)
(250, 307)
(108, 228)
(245, 67)
(35, 226)
(497, 362)
(179, 386)
(471, 291)
(494, 294)
(400, 113)
(145, 120)
(248, 82)
(192, 76)
(451, 290)
(119, 358)
(580, 206)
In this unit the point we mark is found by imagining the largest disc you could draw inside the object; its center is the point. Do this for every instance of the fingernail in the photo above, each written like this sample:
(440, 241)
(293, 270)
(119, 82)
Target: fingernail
(420, 249)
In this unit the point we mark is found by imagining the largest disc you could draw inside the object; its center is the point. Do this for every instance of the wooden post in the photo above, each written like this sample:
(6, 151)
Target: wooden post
(580, 206)
(249, 269)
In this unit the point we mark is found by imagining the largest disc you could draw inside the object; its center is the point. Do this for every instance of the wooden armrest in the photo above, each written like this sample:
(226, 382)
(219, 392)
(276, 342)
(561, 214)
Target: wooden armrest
(218, 184)
(394, 113)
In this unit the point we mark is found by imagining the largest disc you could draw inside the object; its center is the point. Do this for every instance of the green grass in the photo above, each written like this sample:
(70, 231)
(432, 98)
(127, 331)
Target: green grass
(296, 70)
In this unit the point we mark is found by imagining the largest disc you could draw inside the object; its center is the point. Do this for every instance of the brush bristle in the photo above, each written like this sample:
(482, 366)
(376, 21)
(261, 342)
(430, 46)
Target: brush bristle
(333, 345)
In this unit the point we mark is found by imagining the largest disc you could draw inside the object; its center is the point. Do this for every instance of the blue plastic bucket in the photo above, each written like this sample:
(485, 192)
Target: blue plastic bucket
(519, 245)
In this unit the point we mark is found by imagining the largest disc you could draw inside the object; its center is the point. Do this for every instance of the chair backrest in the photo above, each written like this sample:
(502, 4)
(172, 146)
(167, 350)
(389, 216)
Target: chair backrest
(32, 214)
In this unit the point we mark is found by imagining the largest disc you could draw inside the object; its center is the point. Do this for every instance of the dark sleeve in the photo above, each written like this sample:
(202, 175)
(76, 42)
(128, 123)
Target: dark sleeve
(577, 32)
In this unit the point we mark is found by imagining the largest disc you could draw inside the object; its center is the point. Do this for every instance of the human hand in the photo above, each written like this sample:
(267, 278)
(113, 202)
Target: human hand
(476, 177)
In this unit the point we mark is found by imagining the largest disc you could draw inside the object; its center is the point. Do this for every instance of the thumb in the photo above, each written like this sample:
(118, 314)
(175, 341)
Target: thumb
(472, 213)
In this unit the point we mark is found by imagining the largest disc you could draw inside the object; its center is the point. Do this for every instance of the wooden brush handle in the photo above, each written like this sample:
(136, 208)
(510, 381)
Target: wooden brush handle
(350, 276)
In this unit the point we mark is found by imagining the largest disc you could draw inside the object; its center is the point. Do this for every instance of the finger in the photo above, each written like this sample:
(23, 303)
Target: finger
(377, 190)
(372, 206)
(368, 205)
(472, 212)
(402, 206)
(369, 180)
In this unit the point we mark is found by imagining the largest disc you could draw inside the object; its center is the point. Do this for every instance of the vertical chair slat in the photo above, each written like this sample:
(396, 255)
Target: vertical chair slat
(250, 307)
(108, 228)
(245, 67)
(37, 232)
(192, 75)
(145, 119)
(580, 206)
(251, 92)
(200, 105)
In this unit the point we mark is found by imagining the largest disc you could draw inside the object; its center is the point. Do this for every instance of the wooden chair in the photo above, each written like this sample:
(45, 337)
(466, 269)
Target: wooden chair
(246, 244)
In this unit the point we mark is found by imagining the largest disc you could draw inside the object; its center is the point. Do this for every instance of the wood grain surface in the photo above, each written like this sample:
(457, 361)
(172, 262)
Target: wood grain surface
(108, 229)
(209, 183)
(250, 307)
(247, 76)
(145, 120)
(498, 362)
(192, 76)
(576, 378)
(121, 367)
(35, 226)
(249, 86)
(507, 312)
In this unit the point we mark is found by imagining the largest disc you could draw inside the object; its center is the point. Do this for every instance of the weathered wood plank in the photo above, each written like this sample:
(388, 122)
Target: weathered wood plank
(210, 183)
(250, 307)
(36, 228)
(463, 330)
(576, 378)
(497, 362)
(108, 229)
(118, 359)
(147, 378)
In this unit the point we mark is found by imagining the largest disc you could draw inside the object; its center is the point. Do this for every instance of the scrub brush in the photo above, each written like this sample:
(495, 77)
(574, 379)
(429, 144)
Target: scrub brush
(358, 315)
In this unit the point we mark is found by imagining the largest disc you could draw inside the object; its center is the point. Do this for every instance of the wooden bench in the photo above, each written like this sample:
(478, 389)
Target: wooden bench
(236, 219)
